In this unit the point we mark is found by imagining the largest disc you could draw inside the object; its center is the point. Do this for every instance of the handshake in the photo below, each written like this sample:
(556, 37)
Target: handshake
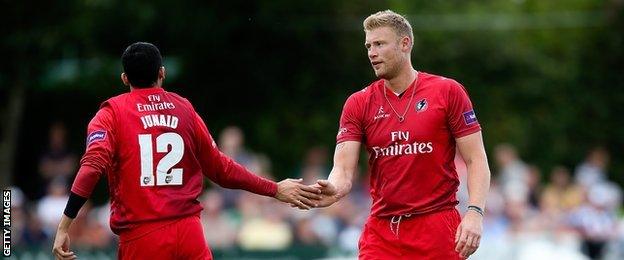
(321, 194)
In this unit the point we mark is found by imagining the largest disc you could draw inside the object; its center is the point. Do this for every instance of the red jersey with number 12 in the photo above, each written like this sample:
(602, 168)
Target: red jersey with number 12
(411, 162)
(155, 150)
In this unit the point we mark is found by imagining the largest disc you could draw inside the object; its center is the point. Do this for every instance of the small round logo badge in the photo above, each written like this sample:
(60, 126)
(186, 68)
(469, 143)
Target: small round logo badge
(421, 105)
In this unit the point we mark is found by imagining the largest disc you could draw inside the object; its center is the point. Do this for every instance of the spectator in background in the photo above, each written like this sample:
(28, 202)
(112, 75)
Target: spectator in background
(512, 172)
(50, 207)
(597, 220)
(260, 164)
(315, 164)
(232, 143)
(34, 234)
(304, 232)
(219, 228)
(593, 169)
(263, 226)
(561, 195)
(57, 161)
(534, 185)
(88, 231)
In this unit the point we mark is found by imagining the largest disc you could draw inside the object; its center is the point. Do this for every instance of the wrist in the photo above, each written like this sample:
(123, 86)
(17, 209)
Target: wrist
(475, 209)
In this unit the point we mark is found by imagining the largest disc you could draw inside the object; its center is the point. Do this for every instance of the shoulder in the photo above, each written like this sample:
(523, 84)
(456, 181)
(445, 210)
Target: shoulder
(443, 86)
(362, 96)
(179, 98)
(442, 82)
(115, 99)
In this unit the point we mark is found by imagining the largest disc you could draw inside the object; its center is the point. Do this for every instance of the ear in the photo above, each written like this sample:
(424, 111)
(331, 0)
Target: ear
(162, 73)
(124, 79)
(406, 44)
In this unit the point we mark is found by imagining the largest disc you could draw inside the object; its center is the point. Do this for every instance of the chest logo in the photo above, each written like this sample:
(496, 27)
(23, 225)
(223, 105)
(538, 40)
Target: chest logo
(421, 105)
(381, 114)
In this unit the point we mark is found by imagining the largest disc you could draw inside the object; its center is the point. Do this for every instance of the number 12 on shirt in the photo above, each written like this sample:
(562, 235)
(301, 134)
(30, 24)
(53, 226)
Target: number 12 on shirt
(165, 173)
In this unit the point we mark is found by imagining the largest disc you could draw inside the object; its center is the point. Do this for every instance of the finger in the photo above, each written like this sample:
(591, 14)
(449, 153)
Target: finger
(310, 189)
(461, 242)
(307, 202)
(467, 247)
(300, 204)
(64, 255)
(478, 242)
(70, 258)
(310, 195)
(457, 234)
(296, 180)
(60, 252)
(468, 252)
(323, 183)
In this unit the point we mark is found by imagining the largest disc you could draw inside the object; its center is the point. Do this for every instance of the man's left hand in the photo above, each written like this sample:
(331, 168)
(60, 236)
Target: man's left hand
(468, 234)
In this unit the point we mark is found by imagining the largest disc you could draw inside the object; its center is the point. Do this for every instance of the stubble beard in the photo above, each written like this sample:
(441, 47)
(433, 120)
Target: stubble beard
(388, 73)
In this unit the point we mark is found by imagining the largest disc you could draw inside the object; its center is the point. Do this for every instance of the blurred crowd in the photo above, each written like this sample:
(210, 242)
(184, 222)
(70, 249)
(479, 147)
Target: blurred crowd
(571, 214)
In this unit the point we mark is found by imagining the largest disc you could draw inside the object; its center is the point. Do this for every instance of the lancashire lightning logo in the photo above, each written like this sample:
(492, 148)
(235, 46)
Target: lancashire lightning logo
(421, 106)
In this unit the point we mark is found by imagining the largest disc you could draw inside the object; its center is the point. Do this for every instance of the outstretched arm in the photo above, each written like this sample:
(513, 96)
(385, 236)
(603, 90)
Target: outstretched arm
(339, 182)
(469, 231)
(224, 171)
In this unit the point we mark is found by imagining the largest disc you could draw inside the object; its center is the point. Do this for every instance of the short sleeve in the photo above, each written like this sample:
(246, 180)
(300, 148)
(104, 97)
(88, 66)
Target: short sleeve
(461, 116)
(351, 123)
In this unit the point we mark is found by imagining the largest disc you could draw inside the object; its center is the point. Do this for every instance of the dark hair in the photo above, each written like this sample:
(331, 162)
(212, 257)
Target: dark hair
(141, 62)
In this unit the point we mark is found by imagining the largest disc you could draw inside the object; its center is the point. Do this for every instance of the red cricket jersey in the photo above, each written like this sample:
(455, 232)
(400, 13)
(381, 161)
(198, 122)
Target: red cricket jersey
(155, 149)
(411, 163)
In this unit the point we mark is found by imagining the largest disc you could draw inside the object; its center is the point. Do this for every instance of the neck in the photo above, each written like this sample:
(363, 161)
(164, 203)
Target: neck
(156, 85)
(402, 80)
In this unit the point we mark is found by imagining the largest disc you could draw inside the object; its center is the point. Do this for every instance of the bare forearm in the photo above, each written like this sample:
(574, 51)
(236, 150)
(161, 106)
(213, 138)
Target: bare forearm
(345, 164)
(478, 182)
(65, 223)
(342, 179)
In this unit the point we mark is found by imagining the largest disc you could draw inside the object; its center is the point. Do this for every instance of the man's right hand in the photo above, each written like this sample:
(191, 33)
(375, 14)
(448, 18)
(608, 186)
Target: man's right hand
(293, 192)
(329, 193)
(60, 250)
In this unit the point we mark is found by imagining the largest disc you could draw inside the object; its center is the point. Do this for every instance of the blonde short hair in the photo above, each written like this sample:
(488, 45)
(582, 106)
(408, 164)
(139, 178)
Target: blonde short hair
(388, 18)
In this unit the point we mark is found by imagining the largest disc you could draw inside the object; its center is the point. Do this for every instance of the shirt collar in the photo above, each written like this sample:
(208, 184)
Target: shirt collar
(149, 90)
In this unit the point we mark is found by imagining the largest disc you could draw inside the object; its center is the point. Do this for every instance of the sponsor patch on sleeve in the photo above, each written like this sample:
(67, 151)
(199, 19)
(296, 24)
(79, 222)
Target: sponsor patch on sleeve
(96, 136)
(470, 117)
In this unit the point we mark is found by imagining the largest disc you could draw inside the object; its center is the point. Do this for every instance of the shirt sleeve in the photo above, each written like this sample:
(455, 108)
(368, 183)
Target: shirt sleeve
(97, 158)
(461, 116)
(351, 124)
(224, 171)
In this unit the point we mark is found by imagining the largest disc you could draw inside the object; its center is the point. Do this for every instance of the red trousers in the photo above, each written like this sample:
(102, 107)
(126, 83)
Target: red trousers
(179, 239)
(426, 236)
